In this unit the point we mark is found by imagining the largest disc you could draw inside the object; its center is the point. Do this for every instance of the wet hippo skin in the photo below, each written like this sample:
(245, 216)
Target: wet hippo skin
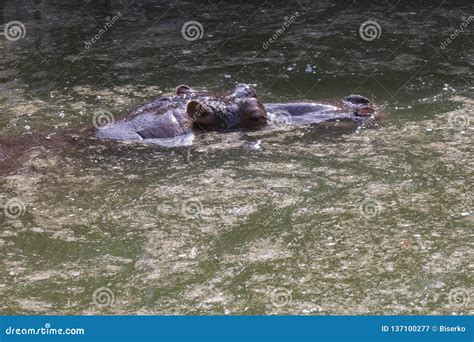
(314, 113)
(189, 111)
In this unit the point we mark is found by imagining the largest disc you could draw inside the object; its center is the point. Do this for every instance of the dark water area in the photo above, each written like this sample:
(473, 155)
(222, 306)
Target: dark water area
(285, 220)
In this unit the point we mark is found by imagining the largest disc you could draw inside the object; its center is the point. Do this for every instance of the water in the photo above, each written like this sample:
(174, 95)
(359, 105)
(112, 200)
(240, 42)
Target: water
(287, 220)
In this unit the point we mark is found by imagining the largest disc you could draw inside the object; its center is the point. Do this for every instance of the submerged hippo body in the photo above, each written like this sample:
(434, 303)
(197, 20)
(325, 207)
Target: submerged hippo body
(186, 112)
(190, 111)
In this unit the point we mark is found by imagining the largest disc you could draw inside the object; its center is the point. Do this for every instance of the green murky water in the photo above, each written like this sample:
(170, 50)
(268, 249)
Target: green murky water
(287, 220)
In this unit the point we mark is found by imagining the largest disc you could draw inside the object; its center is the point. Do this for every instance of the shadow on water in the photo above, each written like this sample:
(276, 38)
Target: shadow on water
(286, 220)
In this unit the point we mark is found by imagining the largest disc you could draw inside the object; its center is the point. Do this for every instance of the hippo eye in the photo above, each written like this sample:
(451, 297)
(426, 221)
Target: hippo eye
(207, 110)
(255, 116)
(204, 110)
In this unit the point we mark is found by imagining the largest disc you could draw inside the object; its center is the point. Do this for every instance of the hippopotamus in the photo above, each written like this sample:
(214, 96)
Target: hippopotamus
(189, 111)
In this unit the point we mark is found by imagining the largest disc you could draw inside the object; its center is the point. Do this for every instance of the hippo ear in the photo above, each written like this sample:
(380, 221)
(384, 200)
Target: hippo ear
(197, 110)
(357, 100)
(183, 89)
(243, 90)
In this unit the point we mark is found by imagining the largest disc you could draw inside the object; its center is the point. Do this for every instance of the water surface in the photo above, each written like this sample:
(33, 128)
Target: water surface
(287, 220)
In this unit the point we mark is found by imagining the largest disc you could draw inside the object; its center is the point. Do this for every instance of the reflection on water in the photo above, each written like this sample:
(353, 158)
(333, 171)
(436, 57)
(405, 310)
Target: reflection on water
(281, 220)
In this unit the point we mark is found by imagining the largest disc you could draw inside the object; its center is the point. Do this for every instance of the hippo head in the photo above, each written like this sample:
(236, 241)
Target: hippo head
(239, 110)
